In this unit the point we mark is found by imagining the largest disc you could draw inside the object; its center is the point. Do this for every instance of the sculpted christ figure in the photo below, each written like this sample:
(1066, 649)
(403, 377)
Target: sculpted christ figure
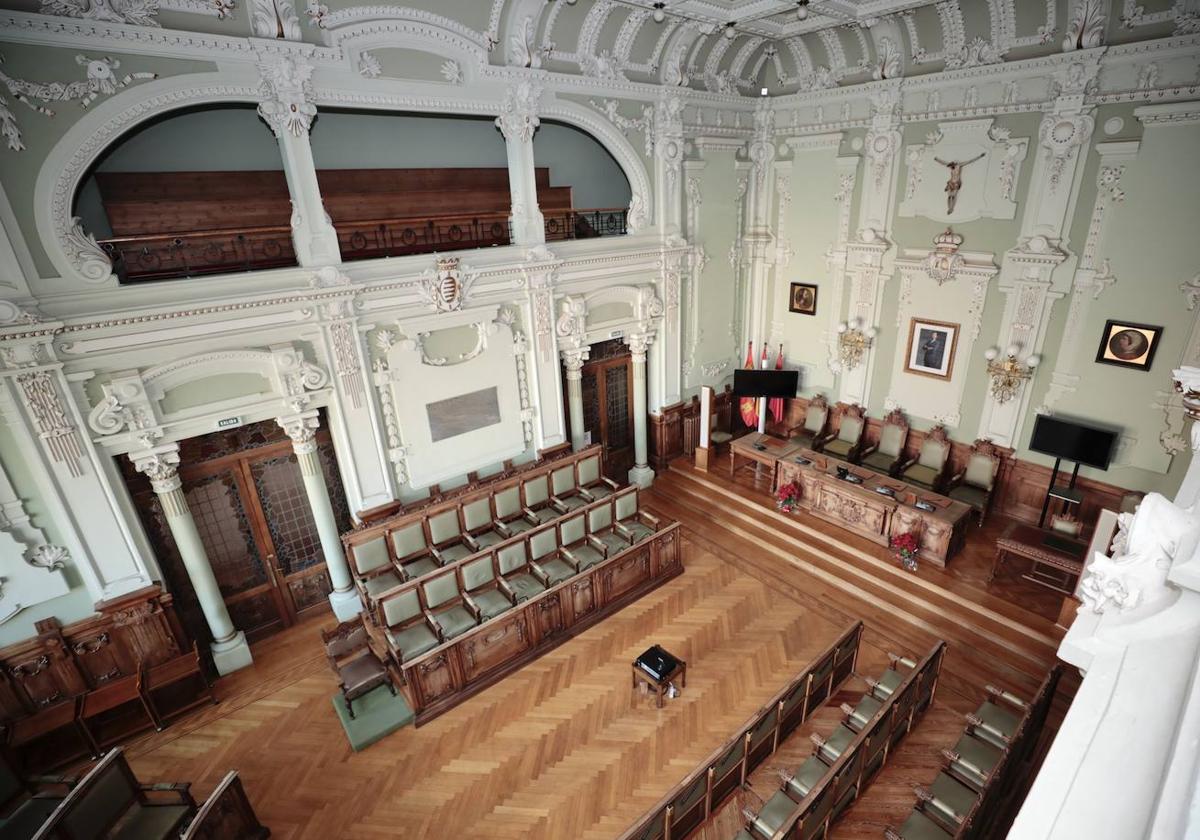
(955, 183)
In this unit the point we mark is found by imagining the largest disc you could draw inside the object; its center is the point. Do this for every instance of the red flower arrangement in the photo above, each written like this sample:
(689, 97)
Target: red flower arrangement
(906, 547)
(787, 497)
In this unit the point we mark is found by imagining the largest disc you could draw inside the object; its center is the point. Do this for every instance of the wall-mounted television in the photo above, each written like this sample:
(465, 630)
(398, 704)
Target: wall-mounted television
(765, 383)
(1072, 441)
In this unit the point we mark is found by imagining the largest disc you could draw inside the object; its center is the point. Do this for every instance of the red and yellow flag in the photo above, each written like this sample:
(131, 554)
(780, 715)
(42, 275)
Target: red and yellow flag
(748, 406)
(776, 403)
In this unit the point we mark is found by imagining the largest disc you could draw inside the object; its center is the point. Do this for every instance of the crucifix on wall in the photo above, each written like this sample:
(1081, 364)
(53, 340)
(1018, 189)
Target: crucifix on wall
(955, 183)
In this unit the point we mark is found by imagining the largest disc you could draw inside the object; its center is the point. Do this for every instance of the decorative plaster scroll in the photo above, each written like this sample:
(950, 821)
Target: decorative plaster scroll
(275, 19)
(90, 260)
(644, 124)
(1085, 30)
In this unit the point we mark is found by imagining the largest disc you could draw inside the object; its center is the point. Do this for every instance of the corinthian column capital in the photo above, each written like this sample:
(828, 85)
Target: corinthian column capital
(302, 429)
(161, 466)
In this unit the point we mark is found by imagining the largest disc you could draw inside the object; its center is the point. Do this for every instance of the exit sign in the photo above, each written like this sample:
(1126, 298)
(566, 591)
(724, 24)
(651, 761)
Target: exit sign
(229, 422)
(616, 333)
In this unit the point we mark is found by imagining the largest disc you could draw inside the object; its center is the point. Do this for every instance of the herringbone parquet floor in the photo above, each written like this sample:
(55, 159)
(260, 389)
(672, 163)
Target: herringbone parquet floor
(560, 749)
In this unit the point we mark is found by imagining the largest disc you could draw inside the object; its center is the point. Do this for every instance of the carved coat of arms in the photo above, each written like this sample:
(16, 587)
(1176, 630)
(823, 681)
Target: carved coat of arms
(445, 289)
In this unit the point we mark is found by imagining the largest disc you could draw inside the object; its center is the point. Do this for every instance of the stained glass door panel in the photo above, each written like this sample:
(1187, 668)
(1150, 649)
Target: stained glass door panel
(618, 431)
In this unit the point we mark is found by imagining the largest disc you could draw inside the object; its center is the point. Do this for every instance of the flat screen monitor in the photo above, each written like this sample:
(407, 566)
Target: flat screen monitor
(765, 383)
(1073, 441)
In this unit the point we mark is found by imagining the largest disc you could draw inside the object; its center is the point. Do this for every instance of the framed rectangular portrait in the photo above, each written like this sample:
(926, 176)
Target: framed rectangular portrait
(1128, 345)
(931, 346)
(803, 299)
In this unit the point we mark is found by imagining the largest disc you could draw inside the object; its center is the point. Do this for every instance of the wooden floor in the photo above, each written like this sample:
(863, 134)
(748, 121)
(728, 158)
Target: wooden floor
(563, 748)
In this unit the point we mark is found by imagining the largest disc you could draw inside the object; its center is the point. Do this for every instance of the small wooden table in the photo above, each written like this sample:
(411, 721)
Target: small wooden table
(760, 448)
(659, 686)
(1057, 560)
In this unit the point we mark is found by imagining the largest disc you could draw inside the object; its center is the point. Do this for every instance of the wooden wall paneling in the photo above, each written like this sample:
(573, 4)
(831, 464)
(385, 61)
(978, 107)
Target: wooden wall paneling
(676, 430)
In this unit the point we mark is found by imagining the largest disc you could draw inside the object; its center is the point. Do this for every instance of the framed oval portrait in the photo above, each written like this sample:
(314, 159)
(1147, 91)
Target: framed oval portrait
(1125, 344)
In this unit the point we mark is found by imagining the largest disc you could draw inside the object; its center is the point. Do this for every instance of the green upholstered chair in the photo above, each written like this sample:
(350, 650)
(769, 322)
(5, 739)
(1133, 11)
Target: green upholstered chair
(816, 416)
(772, 815)
(929, 467)
(947, 800)
(406, 628)
(631, 521)
(717, 437)
(830, 749)
(974, 485)
(478, 524)
(885, 455)
(512, 561)
(918, 827)
(483, 588)
(655, 829)
(411, 550)
(508, 511)
(580, 549)
(995, 723)
(590, 479)
(374, 572)
(601, 526)
(727, 770)
(447, 542)
(805, 778)
(26, 807)
(890, 680)
(543, 556)
(538, 502)
(442, 597)
(860, 715)
(846, 442)
(565, 491)
(972, 761)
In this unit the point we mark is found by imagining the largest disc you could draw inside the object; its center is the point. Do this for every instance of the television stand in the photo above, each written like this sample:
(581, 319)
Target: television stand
(1067, 494)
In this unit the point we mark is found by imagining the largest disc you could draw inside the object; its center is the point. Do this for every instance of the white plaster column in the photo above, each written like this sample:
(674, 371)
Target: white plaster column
(287, 110)
(302, 429)
(641, 474)
(573, 362)
(666, 354)
(758, 240)
(161, 465)
(668, 165)
(538, 276)
(518, 121)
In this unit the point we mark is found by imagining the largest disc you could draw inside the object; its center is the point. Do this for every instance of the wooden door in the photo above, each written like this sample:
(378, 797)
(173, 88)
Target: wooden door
(608, 405)
(247, 497)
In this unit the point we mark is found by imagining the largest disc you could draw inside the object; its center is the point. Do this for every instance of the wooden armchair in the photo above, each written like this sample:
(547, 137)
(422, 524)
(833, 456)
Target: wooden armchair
(484, 589)
(413, 555)
(591, 480)
(928, 469)
(602, 527)
(539, 504)
(580, 549)
(565, 491)
(508, 512)
(974, 484)
(373, 570)
(544, 556)
(359, 670)
(477, 523)
(847, 441)
(885, 455)
(632, 522)
(447, 542)
(816, 417)
(408, 630)
(516, 575)
(445, 605)
(115, 710)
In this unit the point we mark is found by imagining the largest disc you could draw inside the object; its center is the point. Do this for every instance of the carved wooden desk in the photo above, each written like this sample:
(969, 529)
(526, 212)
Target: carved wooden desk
(760, 448)
(877, 507)
(1056, 560)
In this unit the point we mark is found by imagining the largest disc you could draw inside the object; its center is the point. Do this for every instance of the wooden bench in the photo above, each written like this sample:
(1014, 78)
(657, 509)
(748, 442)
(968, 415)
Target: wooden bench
(687, 805)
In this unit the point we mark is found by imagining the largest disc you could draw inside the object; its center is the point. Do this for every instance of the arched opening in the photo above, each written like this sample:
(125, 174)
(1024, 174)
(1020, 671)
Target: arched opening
(600, 191)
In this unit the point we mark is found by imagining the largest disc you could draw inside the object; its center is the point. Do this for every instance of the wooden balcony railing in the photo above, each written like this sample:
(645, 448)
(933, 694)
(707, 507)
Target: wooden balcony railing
(175, 255)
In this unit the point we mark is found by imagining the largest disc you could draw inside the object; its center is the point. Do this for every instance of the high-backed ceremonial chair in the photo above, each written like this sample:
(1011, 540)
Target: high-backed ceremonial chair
(975, 483)
(359, 670)
(373, 570)
(886, 455)
(846, 442)
(483, 588)
(412, 550)
(717, 438)
(508, 511)
(544, 558)
(632, 521)
(538, 502)
(478, 524)
(515, 571)
(408, 630)
(591, 481)
(444, 600)
(447, 542)
(565, 491)
(928, 469)
(816, 416)
(580, 549)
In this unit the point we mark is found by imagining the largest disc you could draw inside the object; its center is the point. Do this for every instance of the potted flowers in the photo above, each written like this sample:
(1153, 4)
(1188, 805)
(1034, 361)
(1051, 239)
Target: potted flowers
(906, 548)
(787, 497)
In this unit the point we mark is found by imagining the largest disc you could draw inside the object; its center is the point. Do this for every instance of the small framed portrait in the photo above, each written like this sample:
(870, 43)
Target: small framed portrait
(931, 346)
(803, 299)
(1128, 345)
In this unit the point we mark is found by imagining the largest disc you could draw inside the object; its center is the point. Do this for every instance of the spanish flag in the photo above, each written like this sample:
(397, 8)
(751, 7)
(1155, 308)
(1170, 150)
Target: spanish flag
(748, 406)
(776, 403)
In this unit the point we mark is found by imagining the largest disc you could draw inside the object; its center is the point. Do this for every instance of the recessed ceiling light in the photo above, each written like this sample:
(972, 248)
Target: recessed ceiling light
(763, 92)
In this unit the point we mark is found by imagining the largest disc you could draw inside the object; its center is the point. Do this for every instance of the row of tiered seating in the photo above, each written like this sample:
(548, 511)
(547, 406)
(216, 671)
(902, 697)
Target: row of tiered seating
(970, 797)
(413, 545)
(108, 802)
(444, 602)
(842, 765)
(726, 769)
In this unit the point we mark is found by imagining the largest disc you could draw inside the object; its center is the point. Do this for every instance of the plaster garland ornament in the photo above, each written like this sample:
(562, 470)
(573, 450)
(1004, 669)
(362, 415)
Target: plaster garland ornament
(369, 66)
(317, 13)
(975, 54)
(100, 79)
(445, 288)
(518, 119)
(1086, 27)
(285, 105)
(134, 12)
(52, 558)
(1063, 136)
(1191, 292)
(275, 19)
(345, 361)
(54, 426)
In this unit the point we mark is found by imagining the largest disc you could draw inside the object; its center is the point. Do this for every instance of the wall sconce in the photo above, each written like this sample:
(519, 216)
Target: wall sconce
(1008, 374)
(853, 342)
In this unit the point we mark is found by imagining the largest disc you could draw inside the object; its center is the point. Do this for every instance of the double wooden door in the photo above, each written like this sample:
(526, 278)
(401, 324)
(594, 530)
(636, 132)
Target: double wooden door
(247, 497)
(608, 405)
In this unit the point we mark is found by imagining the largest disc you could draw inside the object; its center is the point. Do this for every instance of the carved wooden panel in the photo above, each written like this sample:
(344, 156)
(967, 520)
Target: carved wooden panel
(548, 616)
(499, 643)
(435, 677)
(626, 574)
(583, 596)
(853, 511)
